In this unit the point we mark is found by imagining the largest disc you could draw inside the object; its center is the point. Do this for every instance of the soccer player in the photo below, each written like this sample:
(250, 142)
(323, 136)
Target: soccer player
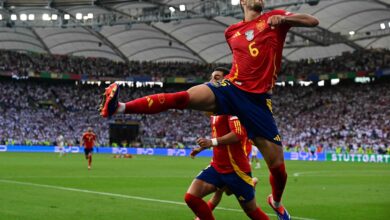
(88, 141)
(255, 158)
(229, 169)
(213, 202)
(60, 145)
(257, 45)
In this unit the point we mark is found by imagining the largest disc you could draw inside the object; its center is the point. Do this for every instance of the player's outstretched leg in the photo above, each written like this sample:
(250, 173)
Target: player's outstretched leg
(198, 97)
(146, 105)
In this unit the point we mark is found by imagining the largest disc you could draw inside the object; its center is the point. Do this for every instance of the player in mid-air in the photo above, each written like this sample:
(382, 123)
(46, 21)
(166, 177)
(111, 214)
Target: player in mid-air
(88, 141)
(256, 44)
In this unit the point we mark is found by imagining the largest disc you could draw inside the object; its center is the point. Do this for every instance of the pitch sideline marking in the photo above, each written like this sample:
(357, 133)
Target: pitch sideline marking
(121, 195)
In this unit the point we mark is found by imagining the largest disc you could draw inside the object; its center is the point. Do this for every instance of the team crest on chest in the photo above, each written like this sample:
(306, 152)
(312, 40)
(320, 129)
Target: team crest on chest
(261, 25)
(250, 35)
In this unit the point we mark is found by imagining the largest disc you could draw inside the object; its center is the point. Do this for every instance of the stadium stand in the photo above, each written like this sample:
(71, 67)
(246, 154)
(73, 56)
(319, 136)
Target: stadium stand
(21, 64)
(334, 113)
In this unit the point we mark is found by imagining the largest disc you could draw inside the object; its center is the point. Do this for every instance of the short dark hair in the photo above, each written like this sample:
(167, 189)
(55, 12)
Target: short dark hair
(224, 70)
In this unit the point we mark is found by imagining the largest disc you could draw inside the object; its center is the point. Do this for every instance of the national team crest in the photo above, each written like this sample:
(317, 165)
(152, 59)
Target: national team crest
(250, 35)
(260, 25)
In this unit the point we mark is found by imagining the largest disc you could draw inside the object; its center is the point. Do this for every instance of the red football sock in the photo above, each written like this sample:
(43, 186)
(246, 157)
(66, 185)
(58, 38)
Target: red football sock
(158, 103)
(89, 160)
(199, 207)
(211, 205)
(258, 214)
(278, 179)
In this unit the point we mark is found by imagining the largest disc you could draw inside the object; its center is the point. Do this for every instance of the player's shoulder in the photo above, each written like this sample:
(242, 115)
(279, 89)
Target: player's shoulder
(232, 28)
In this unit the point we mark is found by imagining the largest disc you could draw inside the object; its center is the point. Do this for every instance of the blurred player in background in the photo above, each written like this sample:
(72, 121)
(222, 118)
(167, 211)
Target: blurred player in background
(255, 157)
(229, 169)
(88, 141)
(257, 45)
(60, 145)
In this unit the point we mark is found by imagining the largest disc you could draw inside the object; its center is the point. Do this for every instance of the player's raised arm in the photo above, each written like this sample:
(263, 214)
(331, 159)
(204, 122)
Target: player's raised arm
(294, 20)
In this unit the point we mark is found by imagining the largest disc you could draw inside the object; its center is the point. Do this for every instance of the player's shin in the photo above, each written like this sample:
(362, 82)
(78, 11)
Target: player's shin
(199, 207)
(278, 179)
(158, 103)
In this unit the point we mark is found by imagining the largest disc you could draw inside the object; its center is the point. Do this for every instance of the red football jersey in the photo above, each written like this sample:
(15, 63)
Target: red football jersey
(257, 52)
(89, 139)
(232, 157)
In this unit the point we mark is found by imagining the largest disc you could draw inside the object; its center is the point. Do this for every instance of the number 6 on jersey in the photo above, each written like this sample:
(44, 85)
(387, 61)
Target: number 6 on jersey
(253, 50)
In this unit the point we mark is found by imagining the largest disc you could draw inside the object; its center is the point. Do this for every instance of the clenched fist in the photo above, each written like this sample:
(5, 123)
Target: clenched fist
(276, 20)
(204, 142)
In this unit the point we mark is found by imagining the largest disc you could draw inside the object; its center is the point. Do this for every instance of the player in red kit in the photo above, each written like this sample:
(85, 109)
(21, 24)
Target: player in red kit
(235, 125)
(257, 44)
(88, 141)
(229, 168)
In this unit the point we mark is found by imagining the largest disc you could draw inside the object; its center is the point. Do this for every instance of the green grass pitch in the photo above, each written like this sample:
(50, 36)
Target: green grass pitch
(44, 186)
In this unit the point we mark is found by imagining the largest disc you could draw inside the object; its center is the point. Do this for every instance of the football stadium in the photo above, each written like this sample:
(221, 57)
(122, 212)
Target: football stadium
(194, 109)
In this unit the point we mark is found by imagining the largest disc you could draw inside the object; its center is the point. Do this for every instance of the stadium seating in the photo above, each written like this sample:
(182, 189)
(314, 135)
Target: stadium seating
(331, 117)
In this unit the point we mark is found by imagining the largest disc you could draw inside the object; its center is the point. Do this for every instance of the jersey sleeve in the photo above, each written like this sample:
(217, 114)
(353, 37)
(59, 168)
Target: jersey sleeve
(281, 12)
(284, 27)
(236, 127)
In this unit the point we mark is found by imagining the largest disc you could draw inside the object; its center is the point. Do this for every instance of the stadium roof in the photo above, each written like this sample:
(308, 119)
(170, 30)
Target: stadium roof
(345, 25)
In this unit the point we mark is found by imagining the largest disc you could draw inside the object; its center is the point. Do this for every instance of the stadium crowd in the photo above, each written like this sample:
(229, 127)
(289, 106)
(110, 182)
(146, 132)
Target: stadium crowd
(21, 63)
(35, 113)
(365, 60)
(342, 118)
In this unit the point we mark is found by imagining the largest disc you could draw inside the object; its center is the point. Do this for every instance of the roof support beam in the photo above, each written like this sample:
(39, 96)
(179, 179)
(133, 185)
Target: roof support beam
(99, 3)
(382, 3)
(41, 41)
(100, 37)
(182, 43)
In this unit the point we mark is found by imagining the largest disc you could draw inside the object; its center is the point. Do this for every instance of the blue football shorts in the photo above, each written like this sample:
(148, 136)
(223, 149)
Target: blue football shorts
(253, 110)
(243, 191)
